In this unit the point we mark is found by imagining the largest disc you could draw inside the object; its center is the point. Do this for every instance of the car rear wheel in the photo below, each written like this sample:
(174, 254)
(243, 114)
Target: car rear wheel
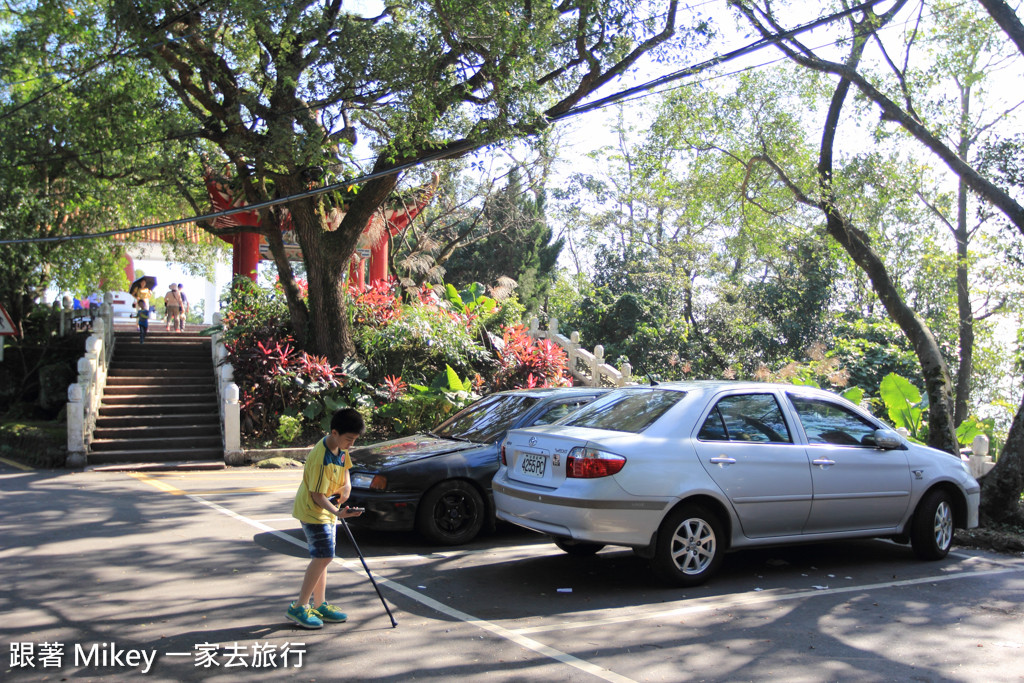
(690, 546)
(577, 548)
(451, 513)
(931, 533)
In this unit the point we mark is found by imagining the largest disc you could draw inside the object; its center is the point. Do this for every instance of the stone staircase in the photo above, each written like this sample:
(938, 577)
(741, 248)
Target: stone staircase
(160, 401)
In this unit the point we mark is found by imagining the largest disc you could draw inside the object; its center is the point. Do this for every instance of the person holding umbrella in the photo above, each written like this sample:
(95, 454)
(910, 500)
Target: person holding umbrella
(142, 290)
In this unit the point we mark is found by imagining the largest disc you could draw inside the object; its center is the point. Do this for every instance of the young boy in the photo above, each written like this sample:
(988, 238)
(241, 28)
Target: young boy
(143, 315)
(325, 475)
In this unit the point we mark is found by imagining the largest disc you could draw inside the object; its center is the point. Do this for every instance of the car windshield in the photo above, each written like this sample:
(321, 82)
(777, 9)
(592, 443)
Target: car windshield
(486, 420)
(626, 411)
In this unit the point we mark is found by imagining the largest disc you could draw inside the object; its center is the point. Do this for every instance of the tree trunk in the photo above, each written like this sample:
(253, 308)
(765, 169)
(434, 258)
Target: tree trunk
(1001, 488)
(964, 311)
(942, 431)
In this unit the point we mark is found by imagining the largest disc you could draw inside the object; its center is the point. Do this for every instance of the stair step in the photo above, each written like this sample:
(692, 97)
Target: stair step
(163, 455)
(148, 430)
(165, 398)
(176, 388)
(164, 372)
(163, 363)
(184, 443)
(157, 421)
(113, 422)
(156, 410)
(143, 381)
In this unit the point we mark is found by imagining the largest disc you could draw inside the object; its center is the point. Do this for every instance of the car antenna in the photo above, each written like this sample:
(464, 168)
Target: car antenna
(650, 378)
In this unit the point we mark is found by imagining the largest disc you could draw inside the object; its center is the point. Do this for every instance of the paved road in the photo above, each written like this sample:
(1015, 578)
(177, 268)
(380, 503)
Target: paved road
(187, 574)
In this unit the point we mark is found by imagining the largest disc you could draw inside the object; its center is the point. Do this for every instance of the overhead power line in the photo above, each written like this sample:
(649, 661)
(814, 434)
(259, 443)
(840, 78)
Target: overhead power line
(468, 146)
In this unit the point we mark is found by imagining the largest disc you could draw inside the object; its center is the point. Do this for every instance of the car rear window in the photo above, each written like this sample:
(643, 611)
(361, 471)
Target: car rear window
(626, 411)
(485, 420)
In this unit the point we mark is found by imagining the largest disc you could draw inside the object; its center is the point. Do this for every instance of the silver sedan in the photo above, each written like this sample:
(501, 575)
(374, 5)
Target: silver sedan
(684, 472)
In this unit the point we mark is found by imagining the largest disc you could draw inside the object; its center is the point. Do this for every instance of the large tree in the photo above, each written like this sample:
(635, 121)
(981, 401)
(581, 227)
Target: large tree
(285, 90)
(79, 141)
(894, 99)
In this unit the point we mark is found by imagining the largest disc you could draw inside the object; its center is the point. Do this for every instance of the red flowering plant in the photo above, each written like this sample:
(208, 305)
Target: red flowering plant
(377, 305)
(526, 362)
(275, 378)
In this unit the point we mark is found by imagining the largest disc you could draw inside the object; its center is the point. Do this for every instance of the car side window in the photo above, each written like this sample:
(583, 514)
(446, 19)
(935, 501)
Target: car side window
(747, 417)
(556, 411)
(826, 422)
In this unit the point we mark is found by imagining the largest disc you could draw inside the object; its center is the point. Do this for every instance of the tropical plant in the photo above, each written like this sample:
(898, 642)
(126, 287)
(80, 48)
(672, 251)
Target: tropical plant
(904, 405)
(423, 407)
(527, 362)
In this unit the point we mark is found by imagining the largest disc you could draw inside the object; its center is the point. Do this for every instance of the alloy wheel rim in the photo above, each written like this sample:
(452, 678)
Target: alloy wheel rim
(943, 525)
(693, 546)
(454, 513)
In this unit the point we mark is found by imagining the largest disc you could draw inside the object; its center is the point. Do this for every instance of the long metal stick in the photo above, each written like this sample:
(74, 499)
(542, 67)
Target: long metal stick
(394, 624)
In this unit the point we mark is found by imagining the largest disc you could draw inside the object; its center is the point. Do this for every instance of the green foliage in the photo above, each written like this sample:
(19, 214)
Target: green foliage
(424, 407)
(517, 243)
(289, 429)
(470, 300)
(421, 343)
(903, 404)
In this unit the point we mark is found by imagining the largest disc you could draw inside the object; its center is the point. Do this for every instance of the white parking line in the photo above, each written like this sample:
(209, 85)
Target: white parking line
(708, 604)
(500, 631)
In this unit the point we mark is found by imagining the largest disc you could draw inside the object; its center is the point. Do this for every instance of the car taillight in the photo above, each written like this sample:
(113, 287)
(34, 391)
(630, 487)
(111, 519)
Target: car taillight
(590, 463)
(504, 460)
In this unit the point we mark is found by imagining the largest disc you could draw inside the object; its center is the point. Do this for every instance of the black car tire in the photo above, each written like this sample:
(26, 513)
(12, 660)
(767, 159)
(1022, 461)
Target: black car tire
(451, 513)
(577, 548)
(931, 531)
(690, 546)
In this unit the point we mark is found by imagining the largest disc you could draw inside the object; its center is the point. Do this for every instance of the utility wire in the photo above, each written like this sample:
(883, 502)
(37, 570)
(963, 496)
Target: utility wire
(466, 145)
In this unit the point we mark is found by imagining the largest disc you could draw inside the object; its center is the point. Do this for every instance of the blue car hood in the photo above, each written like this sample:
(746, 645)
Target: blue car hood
(396, 452)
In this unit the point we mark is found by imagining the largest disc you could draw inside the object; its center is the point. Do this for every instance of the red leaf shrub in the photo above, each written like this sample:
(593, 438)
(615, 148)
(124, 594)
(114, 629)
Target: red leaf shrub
(527, 362)
(377, 305)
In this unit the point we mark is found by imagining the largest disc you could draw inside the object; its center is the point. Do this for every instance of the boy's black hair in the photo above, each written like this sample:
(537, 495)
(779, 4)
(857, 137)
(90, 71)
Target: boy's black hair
(348, 421)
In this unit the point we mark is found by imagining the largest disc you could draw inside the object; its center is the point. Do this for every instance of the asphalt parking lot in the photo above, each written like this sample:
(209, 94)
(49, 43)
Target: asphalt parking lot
(186, 575)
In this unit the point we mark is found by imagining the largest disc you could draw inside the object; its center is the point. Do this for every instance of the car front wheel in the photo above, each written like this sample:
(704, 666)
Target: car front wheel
(690, 546)
(451, 513)
(931, 533)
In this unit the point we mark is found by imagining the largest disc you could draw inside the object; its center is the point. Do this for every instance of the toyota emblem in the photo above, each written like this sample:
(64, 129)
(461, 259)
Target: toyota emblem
(533, 441)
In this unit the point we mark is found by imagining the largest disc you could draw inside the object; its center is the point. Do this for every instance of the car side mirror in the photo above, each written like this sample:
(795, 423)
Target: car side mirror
(887, 439)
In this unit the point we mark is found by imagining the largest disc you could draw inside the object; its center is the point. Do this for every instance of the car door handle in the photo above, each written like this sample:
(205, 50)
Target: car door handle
(722, 461)
(823, 463)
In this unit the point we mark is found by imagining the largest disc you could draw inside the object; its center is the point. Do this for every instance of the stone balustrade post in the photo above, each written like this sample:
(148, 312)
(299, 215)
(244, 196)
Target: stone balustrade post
(76, 427)
(233, 454)
(627, 374)
(980, 463)
(595, 366)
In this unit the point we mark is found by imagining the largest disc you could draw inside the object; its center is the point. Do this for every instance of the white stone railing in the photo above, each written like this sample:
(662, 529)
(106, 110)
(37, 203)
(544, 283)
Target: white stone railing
(227, 399)
(980, 462)
(585, 366)
(85, 395)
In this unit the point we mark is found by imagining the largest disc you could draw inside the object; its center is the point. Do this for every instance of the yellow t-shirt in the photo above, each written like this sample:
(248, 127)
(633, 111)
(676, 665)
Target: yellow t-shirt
(324, 473)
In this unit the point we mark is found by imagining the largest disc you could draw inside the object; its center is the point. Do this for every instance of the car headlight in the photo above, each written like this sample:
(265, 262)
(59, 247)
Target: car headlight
(365, 480)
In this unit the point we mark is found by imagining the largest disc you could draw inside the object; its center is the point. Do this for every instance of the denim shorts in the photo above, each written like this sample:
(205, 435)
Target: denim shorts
(320, 539)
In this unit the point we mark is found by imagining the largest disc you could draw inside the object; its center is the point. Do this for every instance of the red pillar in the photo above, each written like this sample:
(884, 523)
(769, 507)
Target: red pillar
(246, 254)
(379, 261)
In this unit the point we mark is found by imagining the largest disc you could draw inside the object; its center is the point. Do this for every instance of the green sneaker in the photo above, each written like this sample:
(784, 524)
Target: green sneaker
(304, 616)
(328, 612)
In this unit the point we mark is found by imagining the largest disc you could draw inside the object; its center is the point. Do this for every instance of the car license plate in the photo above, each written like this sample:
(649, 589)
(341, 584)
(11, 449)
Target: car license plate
(533, 464)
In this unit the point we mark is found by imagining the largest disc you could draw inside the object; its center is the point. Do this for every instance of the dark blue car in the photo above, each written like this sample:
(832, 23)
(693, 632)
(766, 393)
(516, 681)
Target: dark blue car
(439, 482)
